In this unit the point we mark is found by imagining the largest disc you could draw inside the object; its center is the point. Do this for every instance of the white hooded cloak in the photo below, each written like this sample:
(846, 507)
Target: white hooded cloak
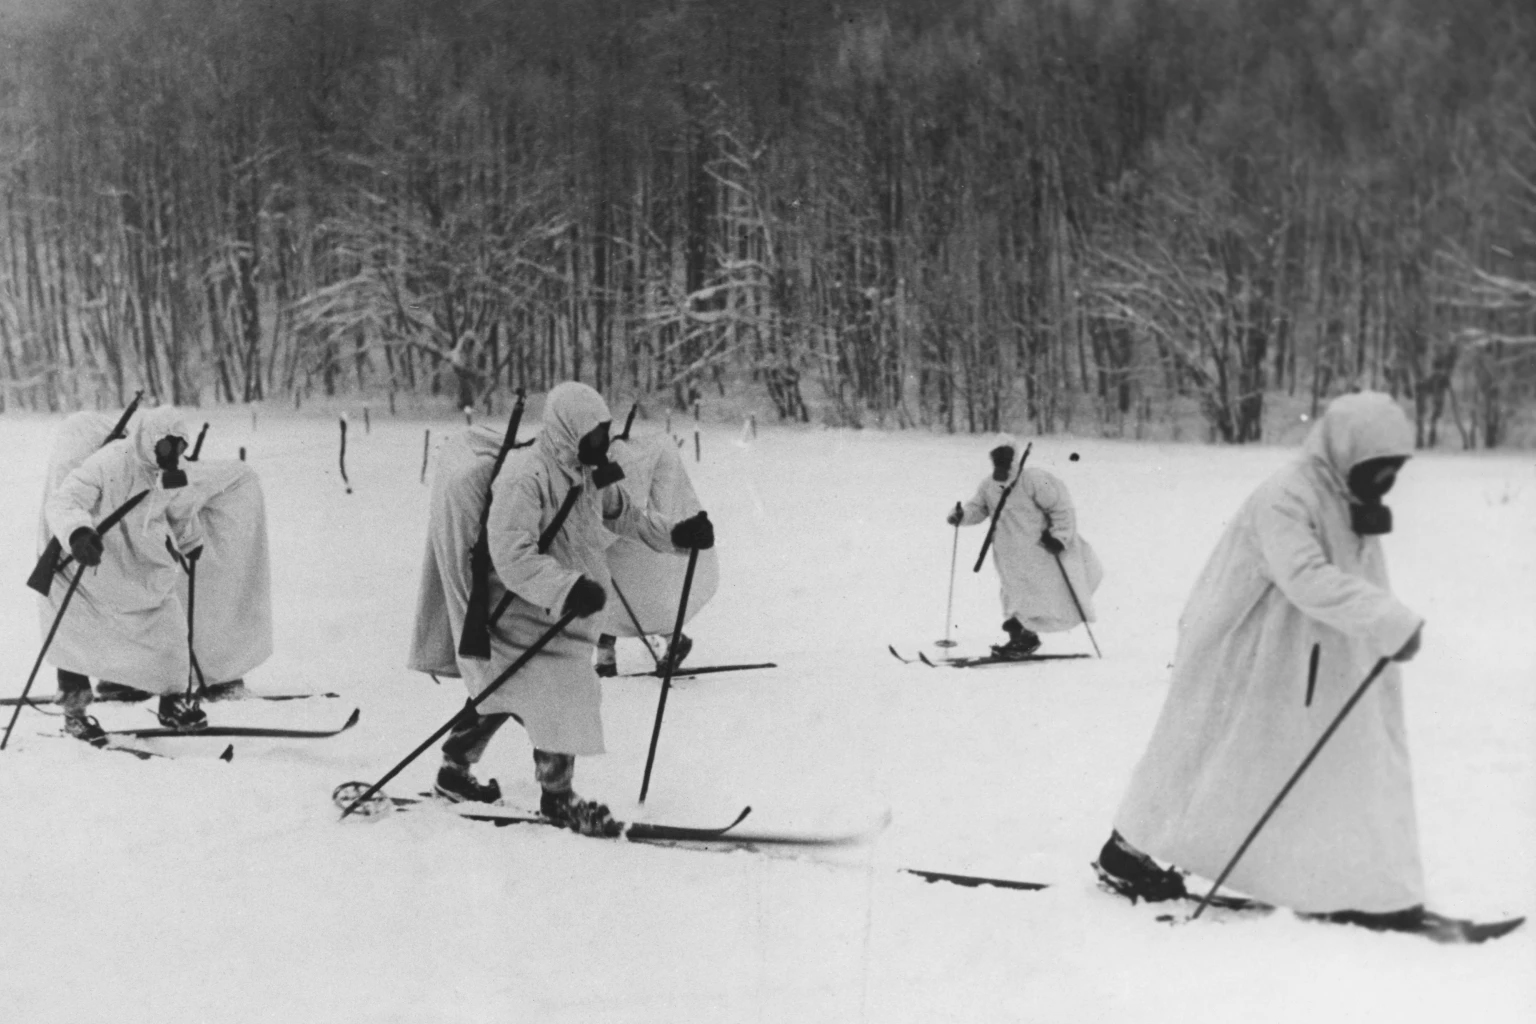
(556, 695)
(127, 621)
(1289, 574)
(1033, 591)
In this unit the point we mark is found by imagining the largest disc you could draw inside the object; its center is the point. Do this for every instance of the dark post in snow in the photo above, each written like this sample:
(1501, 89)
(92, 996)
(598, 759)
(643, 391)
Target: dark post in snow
(343, 460)
(242, 453)
(367, 423)
(426, 446)
(697, 453)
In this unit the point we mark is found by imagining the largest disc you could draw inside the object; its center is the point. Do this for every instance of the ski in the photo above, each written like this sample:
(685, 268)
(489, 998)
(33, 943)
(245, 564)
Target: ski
(1234, 903)
(121, 748)
(1437, 928)
(979, 660)
(973, 881)
(703, 670)
(992, 659)
(1456, 930)
(138, 752)
(53, 698)
(161, 732)
(635, 832)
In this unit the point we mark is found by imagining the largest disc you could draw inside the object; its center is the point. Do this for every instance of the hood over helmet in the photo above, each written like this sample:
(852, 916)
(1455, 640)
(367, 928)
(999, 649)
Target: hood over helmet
(571, 410)
(150, 426)
(1355, 428)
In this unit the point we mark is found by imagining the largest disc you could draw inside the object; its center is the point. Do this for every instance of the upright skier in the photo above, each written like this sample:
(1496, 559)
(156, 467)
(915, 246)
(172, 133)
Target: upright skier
(1036, 529)
(647, 584)
(1288, 616)
(553, 513)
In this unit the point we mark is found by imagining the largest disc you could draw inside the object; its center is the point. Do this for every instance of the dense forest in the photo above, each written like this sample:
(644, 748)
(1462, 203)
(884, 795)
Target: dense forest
(964, 214)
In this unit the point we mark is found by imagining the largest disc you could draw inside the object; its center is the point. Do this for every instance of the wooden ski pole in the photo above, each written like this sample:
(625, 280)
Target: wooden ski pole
(1077, 604)
(666, 673)
(1291, 782)
(48, 641)
(635, 620)
(949, 605)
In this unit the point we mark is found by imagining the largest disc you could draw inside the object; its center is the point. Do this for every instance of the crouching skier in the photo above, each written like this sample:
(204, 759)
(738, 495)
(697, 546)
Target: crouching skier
(128, 622)
(552, 515)
(648, 583)
(1037, 525)
(1292, 609)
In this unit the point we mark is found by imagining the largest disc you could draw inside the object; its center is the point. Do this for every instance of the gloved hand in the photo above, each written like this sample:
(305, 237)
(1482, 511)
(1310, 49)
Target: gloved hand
(956, 515)
(194, 554)
(85, 545)
(1410, 648)
(585, 598)
(694, 532)
(1050, 543)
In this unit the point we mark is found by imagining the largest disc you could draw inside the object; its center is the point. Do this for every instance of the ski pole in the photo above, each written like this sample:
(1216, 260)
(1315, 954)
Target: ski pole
(635, 619)
(74, 583)
(1077, 604)
(105, 527)
(197, 670)
(507, 673)
(1290, 783)
(949, 605)
(666, 672)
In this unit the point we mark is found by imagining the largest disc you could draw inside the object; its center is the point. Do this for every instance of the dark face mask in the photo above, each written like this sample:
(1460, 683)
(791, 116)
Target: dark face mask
(1002, 461)
(1369, 482)
(592, 450)
(167, 450)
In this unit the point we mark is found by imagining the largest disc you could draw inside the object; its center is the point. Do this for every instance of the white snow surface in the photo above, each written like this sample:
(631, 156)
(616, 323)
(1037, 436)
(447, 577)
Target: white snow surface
(194, 890)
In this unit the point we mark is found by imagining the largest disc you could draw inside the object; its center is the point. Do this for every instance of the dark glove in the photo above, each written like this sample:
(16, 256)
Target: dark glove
(694, 532)
(1050, 543)
(194, 554)
(1410, 648)
(85, 545)
(956, 516)
(586, 598)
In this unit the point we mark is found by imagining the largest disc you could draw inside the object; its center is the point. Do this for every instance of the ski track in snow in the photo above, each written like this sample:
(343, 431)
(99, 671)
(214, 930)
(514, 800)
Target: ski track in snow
(191, 890)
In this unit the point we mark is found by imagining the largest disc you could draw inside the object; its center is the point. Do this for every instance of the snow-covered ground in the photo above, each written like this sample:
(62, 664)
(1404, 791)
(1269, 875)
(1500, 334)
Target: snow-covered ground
(194, 890)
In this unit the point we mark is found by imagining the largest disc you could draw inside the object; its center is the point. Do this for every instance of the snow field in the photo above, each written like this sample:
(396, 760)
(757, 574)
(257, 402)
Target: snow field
(193, 890)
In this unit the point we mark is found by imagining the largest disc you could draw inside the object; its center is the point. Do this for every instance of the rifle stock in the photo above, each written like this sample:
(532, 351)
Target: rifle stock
(997, 513)
(475, 637)
(41, 578)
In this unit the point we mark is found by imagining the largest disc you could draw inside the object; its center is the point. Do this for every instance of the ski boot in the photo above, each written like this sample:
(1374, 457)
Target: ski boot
(1021, 642)
(1129, 872)
(179, 711)
(457, 785)
(674, 656)
(83, 727)
(607, 657)
(74, 698)
(106, 690)
(567, 810)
